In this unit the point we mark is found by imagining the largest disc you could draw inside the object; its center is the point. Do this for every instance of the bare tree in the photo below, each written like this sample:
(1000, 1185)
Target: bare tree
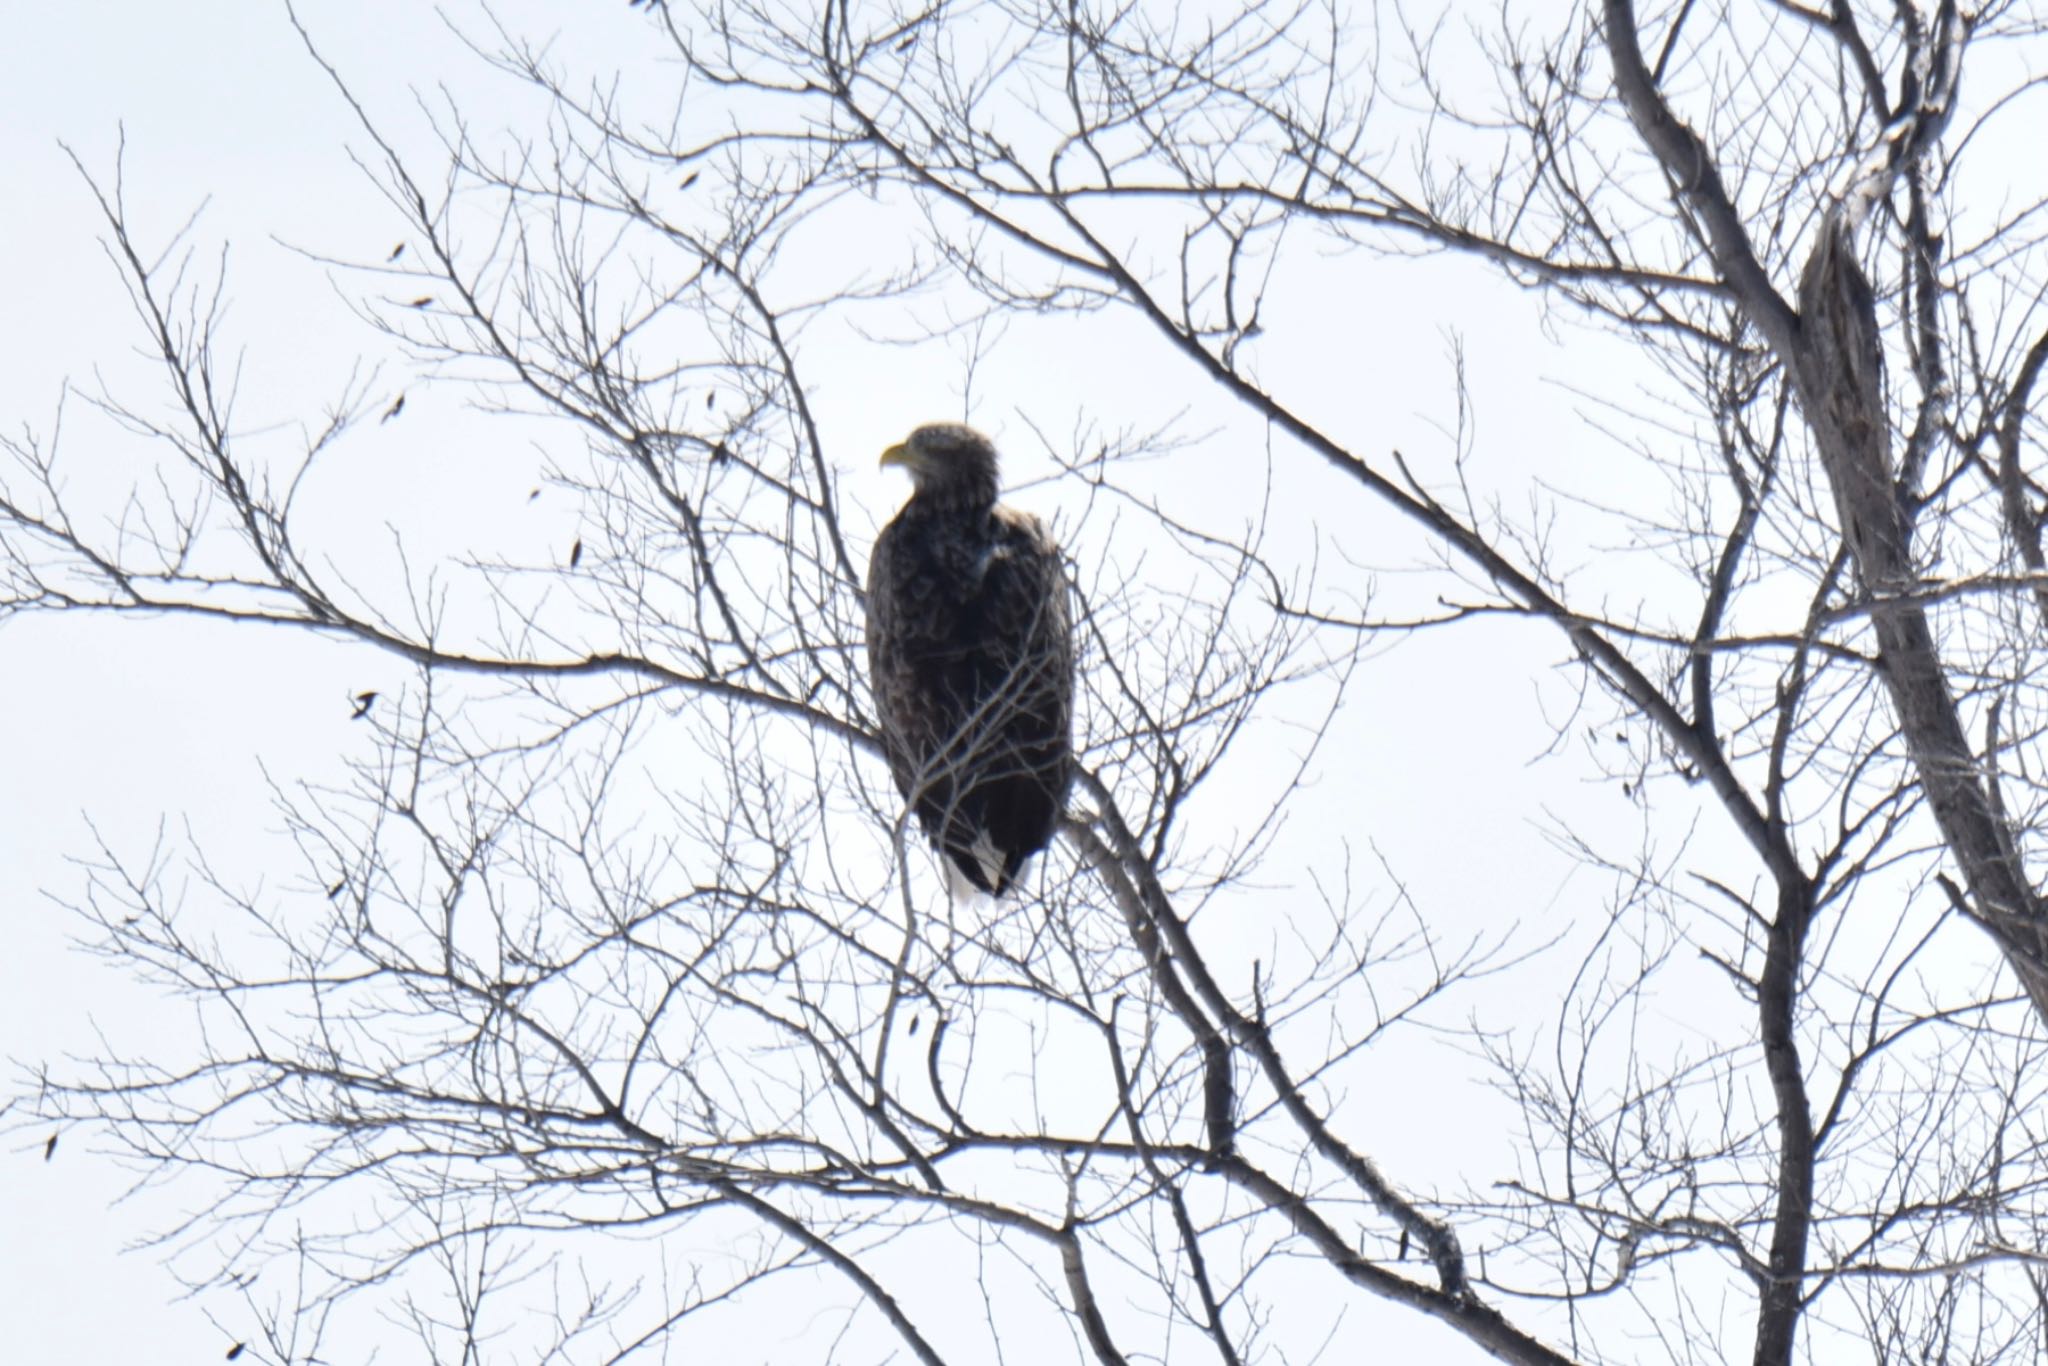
(619, 926)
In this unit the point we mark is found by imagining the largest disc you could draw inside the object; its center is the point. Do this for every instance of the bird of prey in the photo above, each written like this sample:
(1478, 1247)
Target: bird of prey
(972, 659)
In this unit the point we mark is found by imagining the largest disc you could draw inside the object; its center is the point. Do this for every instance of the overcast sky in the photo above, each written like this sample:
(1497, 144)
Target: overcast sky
(136, 724)
(139, 725)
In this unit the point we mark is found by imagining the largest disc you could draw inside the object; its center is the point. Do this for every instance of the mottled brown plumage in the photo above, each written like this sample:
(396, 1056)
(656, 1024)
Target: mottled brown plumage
(972, 659)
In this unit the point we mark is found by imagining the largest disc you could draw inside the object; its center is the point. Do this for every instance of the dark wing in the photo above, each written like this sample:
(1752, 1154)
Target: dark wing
(1032, 648)
(971, 657)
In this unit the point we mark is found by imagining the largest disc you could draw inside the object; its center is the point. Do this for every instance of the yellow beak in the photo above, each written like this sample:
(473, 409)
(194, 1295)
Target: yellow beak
(895, 455)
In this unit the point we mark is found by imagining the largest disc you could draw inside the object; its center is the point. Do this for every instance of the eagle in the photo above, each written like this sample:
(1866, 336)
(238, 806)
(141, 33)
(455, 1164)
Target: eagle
(971, 656)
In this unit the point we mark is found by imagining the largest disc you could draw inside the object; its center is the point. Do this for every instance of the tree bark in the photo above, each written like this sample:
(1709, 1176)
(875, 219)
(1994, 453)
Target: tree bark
(1835, 369)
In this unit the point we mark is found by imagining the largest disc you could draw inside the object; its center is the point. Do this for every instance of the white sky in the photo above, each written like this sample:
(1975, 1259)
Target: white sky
(139, 724)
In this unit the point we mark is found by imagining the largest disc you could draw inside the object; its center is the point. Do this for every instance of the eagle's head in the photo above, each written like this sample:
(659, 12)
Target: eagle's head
(949, 462)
